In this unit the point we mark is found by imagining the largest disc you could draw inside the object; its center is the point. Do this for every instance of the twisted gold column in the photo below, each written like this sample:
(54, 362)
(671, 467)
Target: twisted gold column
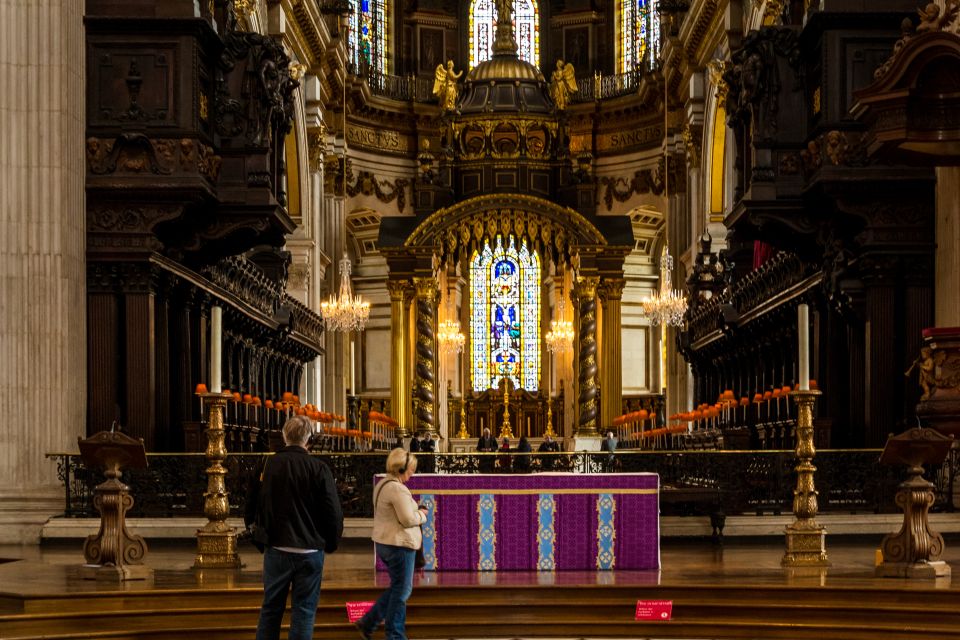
(585, 291)
(611, 374)
(216, 541)
(805, 539)
(425, 418)
(398, 354)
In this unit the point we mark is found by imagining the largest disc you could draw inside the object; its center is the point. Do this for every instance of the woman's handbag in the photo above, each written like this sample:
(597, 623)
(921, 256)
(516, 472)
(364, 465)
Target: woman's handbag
(419, 561)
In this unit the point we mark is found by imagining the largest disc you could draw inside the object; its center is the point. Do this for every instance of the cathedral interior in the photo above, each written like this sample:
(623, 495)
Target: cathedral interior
(593, 215)
(724, 232)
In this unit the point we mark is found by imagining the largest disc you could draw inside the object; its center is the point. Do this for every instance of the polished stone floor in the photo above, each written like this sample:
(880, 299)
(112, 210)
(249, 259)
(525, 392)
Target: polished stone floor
(50, 568)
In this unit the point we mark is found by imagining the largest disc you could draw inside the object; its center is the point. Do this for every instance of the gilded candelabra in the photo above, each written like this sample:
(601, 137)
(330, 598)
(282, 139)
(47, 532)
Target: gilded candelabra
(462, 434)
(505, 430)
(549, 431)
(805, 539)
(216, 541)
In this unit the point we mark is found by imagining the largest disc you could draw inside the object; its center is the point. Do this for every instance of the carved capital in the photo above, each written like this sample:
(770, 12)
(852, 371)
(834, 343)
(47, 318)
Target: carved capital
(611, 289)
(398, 289)
(585, 288)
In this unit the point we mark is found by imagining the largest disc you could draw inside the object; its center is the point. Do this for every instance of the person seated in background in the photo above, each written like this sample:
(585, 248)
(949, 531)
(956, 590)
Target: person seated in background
(506, 460)
(415, 444)
(486, 444)
(549, 445)
(522, 464)
(609, 445)
(428, 447)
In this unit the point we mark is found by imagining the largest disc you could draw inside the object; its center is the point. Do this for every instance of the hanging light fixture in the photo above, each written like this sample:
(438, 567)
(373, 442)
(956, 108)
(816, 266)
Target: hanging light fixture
(345, 312)
(560, 336)
(449, 336)
(668, 306)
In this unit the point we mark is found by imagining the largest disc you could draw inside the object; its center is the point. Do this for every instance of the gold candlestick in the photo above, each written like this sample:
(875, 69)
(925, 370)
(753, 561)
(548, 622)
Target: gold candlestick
(462, 434)
(505, 430)
(805, 539)
(549, 431)
(216, 541)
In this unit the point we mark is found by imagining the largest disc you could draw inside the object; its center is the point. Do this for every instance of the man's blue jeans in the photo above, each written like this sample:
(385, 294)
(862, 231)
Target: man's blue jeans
(281, 570)
(391, 607)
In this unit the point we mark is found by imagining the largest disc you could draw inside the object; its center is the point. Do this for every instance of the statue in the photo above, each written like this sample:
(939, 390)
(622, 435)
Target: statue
(504, 10)
(932, 20)
(562, 84)
(445, 86)
(926, 364)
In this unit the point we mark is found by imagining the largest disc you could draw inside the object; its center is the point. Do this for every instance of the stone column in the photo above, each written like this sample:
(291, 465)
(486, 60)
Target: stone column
(611, 372)
(947, 283)
(585, 291)
(425, 417)
(398, 360)
(42, 235)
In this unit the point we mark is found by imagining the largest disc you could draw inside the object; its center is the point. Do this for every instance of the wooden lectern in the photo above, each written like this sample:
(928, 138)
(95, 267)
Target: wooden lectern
(113, 553)
(914, 551)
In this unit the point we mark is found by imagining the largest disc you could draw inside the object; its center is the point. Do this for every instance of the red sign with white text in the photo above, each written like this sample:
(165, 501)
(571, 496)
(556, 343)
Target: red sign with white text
(355, 610)
(654, 609)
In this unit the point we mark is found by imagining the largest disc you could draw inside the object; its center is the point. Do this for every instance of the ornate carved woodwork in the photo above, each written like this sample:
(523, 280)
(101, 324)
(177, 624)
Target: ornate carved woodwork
(484, 409)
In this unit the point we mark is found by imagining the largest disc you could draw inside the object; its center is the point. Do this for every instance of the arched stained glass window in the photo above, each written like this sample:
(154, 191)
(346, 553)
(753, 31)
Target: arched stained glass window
(367, 39)
(639, 36)
(505, 315)
(526, 29)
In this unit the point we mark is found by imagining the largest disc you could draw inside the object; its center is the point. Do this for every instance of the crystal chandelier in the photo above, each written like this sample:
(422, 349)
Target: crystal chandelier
(669, 305)
(560, 336)
(345, 312)
(449, 336)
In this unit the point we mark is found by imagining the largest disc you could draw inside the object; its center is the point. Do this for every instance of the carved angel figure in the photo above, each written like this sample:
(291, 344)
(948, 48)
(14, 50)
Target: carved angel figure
(931, 20)
(445, 86)
(562, 84)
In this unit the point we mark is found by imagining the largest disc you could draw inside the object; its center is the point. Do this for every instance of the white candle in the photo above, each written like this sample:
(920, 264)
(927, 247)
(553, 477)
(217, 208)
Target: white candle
(216, 339)
(353, 379)
(803, 331)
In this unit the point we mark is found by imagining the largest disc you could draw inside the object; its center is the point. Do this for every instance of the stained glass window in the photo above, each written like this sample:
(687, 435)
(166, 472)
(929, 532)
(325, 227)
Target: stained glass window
(367, 38)
(639, 37)
(505, 315)
(526, 29)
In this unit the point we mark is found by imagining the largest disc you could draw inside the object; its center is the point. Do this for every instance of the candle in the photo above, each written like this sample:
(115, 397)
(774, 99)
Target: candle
(803, 331)
(353, 355)
(216, 338)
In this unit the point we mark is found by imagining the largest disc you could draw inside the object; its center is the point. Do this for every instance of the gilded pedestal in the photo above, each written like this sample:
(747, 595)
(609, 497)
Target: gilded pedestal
(805, 539)
(216, 541)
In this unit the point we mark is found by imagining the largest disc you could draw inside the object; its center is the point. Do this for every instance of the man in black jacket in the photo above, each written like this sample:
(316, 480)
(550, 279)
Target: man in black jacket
(296, 504)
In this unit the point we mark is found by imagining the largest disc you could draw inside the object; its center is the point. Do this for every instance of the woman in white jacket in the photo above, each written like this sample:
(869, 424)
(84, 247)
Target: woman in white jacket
(396, 534)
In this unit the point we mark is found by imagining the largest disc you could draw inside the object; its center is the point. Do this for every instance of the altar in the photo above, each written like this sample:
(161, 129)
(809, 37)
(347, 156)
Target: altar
(543, 521)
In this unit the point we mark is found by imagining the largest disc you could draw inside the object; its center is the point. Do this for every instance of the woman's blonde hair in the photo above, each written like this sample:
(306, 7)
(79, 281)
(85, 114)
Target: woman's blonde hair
(401, 460)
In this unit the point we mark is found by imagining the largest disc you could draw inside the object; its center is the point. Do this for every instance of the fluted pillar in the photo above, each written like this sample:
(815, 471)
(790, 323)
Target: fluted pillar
(611, 370)
(42, 266)
(947, 292)
(398, 351)
(425, 411)
(585, 290)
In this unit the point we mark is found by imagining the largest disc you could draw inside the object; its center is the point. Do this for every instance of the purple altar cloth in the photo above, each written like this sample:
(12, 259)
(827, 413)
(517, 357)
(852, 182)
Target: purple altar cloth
(540, 521)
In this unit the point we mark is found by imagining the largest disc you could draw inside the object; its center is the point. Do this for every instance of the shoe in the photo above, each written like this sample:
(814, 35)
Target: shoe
(366, 635)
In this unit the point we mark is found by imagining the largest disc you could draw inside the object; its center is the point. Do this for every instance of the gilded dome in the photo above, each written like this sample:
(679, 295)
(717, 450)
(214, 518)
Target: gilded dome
(504, 68)
(505, 84)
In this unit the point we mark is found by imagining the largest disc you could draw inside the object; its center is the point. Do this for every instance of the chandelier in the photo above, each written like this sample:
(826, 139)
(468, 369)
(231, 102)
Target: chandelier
(345, 312)
(450, 337)
(560, 336)
(668, 306)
